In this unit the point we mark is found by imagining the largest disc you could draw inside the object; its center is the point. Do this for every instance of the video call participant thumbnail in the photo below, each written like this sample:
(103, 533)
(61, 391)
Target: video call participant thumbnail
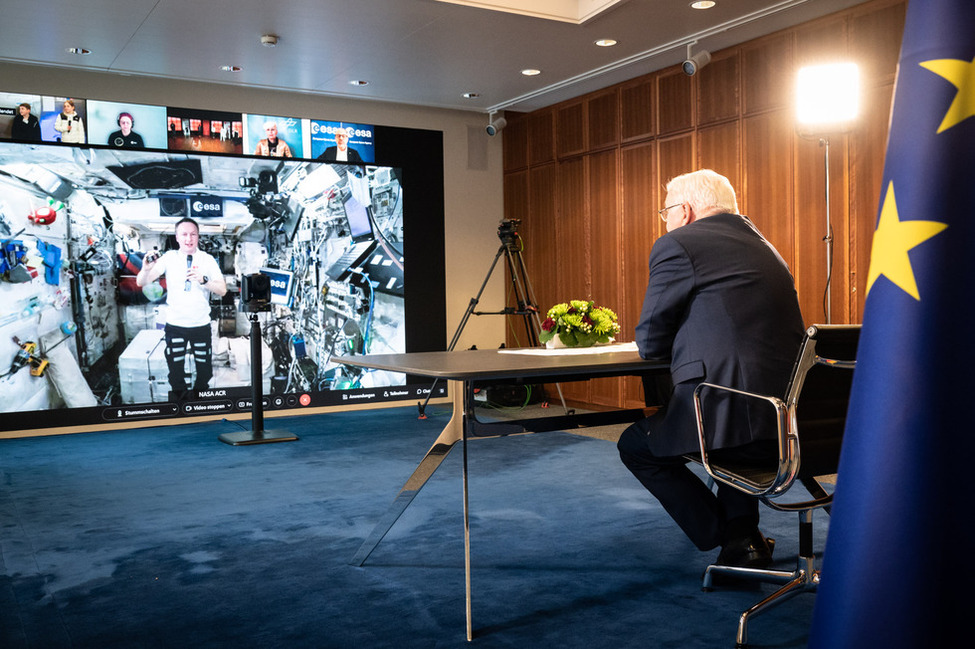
(341, 152)
(125, 137)
(69, 124)
(272, 145)
(25, 126)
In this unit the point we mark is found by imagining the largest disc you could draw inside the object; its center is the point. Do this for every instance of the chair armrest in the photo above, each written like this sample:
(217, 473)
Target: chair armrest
(787, 468)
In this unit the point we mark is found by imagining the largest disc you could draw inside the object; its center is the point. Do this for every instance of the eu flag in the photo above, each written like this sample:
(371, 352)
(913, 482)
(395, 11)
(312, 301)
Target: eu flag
(898, 565)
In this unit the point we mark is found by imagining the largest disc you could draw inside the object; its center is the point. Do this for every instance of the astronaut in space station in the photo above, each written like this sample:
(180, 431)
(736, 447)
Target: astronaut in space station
(83, 286)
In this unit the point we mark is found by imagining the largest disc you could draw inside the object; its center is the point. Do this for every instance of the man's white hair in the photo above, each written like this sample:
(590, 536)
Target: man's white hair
(708, 192)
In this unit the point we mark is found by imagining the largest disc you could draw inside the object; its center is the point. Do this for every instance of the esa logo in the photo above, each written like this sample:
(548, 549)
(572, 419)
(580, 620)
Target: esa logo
(318, 128)
(279, 284)
(206, 207)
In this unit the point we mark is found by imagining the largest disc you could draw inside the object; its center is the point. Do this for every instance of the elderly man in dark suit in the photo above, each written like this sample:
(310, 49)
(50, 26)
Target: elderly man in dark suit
(341, 152)
(721, 304)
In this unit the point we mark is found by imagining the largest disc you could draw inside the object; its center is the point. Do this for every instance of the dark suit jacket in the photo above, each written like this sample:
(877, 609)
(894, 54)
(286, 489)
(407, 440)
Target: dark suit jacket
(31, 131)
(330, 153)
(721, 304)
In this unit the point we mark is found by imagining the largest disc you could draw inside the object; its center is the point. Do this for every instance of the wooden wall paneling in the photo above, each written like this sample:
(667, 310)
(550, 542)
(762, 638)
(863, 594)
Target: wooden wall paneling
(675, 101)
(604, 228)
(605, 253)
(570, 129)
(767, 73)
(719, 148)
(540, 252)
(572, 232)
(541, 143)
(515, 141)
(719, 89)
(639, 209)
(822, 41)
(868, 149)
(516, 195)
(517, 199)
(675, 156)
(875, 39)
(637, 109)
(603, 112)
(839, 180)
(766, 194)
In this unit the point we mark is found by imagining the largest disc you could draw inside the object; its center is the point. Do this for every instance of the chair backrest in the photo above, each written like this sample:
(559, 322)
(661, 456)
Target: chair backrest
(819, 394)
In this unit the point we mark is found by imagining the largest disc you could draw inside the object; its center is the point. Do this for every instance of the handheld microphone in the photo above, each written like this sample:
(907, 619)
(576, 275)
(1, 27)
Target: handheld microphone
(189, 264)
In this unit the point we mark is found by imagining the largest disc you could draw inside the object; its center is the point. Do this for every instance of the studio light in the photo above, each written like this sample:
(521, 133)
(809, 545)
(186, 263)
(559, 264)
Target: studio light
(827, 98)
(694, 63)
(495, 126)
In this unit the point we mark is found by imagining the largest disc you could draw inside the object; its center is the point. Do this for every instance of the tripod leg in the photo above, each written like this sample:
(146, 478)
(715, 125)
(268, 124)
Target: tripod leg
(528, 306)
(463, 323)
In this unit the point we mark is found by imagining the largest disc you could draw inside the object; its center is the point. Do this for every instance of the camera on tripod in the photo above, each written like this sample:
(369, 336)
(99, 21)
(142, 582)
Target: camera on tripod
(255, 293)
(508, 233)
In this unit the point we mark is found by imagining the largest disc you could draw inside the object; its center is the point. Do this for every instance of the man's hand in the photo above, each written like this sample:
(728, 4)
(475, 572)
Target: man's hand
(150, 259)
(194, 274)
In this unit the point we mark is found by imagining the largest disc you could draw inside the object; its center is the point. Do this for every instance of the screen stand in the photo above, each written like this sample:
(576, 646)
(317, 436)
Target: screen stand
(257, 434)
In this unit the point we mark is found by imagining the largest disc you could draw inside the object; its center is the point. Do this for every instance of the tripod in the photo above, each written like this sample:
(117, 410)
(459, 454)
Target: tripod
(526, 306)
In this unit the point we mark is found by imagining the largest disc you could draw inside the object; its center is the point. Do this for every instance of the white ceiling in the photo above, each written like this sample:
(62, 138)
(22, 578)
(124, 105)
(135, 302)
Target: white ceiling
(420, 52)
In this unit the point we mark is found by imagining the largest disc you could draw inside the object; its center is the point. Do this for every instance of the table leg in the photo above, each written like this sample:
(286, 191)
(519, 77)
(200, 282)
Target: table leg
(467, 532)
(452, 433)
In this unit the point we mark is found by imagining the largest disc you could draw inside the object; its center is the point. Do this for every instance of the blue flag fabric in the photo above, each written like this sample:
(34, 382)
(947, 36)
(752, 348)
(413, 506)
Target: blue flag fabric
(898, 565)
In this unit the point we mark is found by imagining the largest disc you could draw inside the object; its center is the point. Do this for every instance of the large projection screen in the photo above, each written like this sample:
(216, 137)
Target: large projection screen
(353, 254)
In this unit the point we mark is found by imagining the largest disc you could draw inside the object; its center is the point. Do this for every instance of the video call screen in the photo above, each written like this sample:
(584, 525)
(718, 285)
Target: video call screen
(352, 253)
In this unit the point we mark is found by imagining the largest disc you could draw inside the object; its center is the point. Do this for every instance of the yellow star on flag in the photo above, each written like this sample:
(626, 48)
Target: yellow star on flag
(891, 241)
(961, 74)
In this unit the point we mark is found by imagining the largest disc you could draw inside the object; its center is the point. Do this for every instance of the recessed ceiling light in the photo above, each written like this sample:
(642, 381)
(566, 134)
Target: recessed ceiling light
(531, 72)
(605, 42)
(81, 51)
(358, 82)
(231, 68)
(703, 4)
(269, 40)
(471, 95)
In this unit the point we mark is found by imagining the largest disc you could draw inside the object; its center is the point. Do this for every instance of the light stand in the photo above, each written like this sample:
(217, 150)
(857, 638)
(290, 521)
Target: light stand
(526, 307)
(257, 434)
(827, 102)
(824, 142)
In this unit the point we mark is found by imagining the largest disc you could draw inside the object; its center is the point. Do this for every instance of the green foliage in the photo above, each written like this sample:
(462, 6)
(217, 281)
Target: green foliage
(579, 323)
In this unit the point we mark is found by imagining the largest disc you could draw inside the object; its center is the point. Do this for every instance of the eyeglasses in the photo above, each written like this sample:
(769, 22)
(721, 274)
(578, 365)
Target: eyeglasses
(663, 212)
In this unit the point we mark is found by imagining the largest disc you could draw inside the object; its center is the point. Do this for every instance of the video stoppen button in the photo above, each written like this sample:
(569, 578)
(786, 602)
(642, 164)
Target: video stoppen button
(125, 413)
(207, 407)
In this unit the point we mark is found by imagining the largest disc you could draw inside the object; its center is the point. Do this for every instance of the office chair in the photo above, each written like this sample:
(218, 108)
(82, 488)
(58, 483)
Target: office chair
(810, 422)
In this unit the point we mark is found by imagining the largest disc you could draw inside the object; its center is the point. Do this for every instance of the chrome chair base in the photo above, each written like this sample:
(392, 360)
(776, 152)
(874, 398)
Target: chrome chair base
(803, 579)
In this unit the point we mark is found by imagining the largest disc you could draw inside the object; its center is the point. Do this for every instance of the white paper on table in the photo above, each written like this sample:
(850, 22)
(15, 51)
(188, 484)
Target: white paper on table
(571, 351)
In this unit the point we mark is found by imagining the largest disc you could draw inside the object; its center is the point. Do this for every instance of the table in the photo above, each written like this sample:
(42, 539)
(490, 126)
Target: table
(463, 370)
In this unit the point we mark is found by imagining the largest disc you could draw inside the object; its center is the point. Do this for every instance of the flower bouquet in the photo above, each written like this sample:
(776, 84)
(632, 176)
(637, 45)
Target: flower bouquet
(579, 323)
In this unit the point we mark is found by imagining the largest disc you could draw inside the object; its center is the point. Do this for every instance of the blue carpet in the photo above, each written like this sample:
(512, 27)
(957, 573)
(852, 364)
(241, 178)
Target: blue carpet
(165, 537)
